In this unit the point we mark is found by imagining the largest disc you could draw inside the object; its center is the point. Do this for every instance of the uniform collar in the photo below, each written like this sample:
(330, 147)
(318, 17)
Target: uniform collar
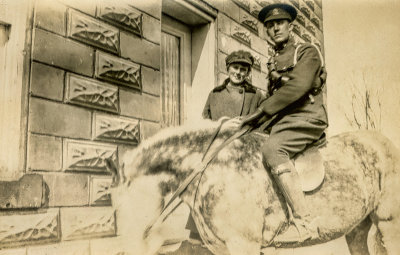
(285, 46)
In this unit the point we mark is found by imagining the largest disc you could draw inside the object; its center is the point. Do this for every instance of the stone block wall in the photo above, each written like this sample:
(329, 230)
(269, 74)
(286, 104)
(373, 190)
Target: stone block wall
(94, 93)
(239, 28)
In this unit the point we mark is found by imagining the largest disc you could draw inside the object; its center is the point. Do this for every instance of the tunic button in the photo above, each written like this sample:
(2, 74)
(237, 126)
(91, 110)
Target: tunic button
(241, 91)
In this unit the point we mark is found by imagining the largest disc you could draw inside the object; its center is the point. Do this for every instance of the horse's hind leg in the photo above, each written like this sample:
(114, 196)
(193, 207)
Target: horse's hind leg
(375, 242)
(357, 238)
(387, 236)
(386, 216)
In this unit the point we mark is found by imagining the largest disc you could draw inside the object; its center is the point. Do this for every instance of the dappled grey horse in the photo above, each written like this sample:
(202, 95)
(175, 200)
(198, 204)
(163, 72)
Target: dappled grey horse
(237, 207)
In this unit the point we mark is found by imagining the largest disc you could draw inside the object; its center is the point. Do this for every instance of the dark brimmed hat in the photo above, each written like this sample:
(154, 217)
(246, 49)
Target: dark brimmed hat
(277, 11)
(239, 56)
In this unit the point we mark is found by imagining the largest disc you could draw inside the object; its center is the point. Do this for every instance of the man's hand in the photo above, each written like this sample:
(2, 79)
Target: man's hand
(248, 119)
(234, 123)
(241, 121)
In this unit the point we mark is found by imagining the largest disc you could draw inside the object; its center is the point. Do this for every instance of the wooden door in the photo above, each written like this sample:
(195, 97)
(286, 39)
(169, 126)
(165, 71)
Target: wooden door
(175, 71)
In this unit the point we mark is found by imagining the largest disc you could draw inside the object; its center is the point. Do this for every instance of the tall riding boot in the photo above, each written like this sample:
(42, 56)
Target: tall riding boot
(289, 183)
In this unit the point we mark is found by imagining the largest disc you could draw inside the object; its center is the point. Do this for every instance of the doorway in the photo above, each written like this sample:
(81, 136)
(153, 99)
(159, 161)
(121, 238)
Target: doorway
(188, 67)
(175, 70)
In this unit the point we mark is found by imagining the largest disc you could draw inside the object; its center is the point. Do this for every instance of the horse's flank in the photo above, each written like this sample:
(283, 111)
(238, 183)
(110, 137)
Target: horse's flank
(237, 201)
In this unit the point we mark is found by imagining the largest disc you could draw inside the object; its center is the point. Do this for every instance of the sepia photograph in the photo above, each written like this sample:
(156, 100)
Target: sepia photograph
(199, 127)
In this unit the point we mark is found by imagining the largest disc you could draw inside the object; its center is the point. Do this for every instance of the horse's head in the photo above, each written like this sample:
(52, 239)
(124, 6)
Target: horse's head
(147, 176)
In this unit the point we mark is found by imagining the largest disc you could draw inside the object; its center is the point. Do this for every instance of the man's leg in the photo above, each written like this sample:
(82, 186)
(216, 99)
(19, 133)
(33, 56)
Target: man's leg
(288, 138)
(288, 180)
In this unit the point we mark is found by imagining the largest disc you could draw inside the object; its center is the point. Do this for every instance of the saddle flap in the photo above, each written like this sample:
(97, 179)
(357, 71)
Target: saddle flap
(310, 167)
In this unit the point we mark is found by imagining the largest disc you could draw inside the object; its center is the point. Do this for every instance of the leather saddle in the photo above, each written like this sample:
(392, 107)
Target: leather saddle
(310, 166)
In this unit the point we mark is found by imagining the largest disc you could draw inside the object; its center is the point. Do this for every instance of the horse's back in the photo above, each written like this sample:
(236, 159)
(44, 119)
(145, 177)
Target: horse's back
(236, 186)
(353, 164)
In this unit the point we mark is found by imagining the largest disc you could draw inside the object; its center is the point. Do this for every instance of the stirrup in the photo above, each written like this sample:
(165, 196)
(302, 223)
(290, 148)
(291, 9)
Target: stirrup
(298, 231)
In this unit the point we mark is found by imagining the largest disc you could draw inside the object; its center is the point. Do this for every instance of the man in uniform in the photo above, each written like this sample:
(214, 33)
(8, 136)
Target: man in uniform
(296, 77)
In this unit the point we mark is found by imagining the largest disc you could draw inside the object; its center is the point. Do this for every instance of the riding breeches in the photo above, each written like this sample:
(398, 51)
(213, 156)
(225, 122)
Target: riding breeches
(289, 136)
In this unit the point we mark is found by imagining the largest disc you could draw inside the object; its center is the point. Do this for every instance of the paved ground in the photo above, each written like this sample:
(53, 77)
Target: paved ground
(336, 247)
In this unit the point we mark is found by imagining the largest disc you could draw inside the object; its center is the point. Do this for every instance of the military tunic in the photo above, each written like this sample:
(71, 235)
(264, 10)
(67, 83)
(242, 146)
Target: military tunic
(232, 101)
(299, 121)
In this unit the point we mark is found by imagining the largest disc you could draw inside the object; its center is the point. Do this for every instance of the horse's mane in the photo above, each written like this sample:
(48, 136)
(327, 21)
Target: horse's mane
(201, 125)
(202, 129)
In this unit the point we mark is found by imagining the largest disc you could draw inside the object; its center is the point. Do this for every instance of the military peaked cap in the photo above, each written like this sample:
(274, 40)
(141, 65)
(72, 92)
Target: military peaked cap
(277, 11)
(239, 56)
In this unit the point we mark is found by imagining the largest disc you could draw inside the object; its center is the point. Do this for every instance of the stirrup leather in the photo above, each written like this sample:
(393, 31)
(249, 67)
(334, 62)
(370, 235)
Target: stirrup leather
(297, 231)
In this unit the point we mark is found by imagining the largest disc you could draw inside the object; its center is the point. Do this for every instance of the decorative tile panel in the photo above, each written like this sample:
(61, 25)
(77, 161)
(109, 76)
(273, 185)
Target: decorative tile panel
(118, 70)
(299, 39)
(241, 35)
(29, 228)
(93, 32)
(306, 37)
(255, 9)
(311, 29)
(295, 3)
(257, 61)
(306, 11)
(121, 15)
(310, 4)
(79, 223)
(100, 191)
(264, 3)
(243, 3)
(316, 22)
(318, 11)
(249, 21)
(300, 19)
(92, 93)
(296, 29)
(115, 128)
(87, 156)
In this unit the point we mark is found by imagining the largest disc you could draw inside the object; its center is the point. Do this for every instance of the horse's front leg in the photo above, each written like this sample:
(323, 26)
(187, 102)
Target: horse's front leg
(172, 229)
(137, 205)
(239, 246)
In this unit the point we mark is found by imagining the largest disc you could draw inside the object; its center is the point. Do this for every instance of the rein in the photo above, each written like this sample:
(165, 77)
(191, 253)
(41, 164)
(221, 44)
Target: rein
(200, 169)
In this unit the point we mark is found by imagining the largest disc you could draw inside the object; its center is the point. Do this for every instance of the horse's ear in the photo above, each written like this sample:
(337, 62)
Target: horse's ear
(121, 173)
(113, 169)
